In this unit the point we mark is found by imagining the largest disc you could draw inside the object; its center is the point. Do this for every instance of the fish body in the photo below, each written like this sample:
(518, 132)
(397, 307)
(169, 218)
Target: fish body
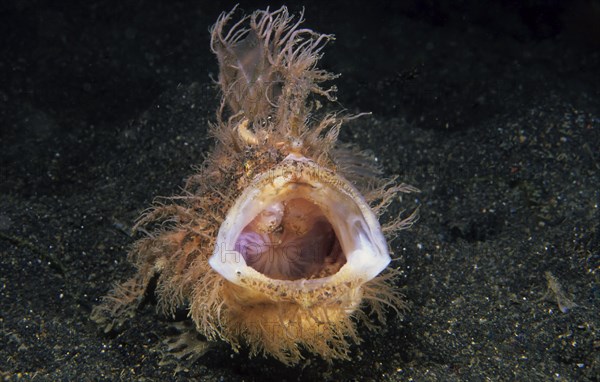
(275, 243)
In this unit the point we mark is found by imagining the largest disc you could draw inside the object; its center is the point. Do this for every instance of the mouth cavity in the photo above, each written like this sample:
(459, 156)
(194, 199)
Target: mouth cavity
(291, 240)
(300, 225)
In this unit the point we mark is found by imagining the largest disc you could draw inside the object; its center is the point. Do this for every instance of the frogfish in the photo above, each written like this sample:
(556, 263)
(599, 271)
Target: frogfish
(275, 244)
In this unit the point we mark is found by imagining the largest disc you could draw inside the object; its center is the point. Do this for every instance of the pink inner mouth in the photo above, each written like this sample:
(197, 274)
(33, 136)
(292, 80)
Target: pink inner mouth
(291, 240)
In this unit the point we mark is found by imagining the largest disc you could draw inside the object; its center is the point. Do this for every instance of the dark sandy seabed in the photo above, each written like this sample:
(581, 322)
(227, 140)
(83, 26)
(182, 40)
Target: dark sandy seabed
(491, 109)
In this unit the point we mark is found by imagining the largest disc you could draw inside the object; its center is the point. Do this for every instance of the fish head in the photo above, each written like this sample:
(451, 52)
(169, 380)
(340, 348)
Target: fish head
(300, 230)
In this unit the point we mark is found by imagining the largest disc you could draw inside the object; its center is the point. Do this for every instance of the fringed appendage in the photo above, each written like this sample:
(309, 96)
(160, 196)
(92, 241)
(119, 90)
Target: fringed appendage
(267, 65)
(121, 303)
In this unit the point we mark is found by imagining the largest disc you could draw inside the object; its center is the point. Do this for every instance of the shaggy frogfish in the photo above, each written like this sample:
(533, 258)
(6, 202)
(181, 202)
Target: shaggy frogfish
(275, 244)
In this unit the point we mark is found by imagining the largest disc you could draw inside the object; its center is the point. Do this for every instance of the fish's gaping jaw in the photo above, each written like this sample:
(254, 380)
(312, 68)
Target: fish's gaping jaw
(298, 233)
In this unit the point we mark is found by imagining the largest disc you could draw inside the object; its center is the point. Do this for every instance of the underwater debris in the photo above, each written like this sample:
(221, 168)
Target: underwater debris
(554, 288)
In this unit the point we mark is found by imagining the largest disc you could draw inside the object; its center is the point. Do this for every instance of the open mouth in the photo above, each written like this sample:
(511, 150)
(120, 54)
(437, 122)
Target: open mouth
(303, 225)
(290, 240)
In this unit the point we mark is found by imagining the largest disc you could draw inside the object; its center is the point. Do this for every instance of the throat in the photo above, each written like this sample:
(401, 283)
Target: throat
(291, 240)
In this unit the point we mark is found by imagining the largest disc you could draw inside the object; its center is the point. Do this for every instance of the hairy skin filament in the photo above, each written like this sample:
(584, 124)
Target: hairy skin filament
(275, 243)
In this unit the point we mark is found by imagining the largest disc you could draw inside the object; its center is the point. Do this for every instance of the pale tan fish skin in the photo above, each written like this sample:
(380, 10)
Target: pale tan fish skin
(275, 243)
